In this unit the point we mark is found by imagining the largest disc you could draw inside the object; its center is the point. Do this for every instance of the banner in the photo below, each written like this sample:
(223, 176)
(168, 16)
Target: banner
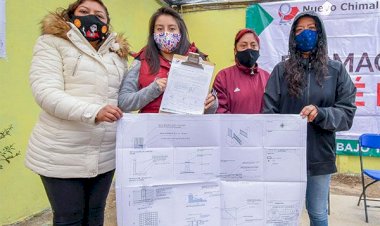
(2, 28)
(351, 147)
(182, 2)
(353, 36)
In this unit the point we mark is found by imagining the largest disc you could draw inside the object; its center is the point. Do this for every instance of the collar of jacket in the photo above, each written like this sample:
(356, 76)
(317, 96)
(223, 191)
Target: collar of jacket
(246, 70)
(306, 63)
(194, 49)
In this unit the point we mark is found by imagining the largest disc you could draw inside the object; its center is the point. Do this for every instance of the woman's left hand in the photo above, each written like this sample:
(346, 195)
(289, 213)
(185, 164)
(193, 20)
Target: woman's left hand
(209, 101)
(309, 111)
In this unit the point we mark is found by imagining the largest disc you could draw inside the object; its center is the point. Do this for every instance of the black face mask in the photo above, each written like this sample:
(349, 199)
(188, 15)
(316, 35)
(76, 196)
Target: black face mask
(247, 57)
(91, 27)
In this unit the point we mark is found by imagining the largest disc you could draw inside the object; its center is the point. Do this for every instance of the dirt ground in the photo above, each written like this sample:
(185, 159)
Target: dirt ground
(341, 184)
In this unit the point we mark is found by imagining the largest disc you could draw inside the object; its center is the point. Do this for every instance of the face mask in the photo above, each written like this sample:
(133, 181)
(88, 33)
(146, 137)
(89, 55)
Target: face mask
(91, 27)
(167, 42)
(306, 40)
(247, 57)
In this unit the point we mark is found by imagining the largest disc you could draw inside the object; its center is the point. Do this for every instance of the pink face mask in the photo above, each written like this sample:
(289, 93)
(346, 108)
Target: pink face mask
(167, 42)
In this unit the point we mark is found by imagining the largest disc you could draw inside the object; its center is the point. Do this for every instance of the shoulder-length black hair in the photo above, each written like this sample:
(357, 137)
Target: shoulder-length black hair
(152, 51)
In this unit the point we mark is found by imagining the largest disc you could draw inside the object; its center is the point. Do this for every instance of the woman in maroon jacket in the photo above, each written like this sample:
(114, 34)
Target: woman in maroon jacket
(240, 88)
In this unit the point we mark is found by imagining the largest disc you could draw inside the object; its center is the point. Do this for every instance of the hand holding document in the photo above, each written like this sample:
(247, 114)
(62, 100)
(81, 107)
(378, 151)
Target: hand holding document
(188, 85)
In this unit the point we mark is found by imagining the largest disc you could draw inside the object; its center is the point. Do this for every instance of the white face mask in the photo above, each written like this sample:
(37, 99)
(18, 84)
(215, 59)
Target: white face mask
(167, 42)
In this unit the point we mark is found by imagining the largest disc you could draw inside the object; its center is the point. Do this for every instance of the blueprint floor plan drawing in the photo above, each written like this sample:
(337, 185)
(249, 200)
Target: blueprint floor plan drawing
(210, 170)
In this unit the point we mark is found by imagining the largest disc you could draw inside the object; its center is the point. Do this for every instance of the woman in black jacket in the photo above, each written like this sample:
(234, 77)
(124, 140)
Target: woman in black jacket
(319, 89)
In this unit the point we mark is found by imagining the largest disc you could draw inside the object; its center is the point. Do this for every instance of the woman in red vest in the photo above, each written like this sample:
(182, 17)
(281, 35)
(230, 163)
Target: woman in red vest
(143, 86)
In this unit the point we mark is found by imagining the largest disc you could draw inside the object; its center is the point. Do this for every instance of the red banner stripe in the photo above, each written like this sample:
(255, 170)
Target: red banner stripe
(360, 103)
(360, 85)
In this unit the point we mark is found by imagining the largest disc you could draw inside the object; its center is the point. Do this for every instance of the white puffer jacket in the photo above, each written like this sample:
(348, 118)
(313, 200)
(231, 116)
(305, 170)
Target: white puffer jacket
(71, 82)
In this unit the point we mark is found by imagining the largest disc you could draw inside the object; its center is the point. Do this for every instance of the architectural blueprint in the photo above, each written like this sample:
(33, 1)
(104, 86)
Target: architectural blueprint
(210, 170)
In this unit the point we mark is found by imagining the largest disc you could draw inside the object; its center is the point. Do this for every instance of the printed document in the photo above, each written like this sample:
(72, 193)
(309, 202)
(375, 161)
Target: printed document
(187, 87)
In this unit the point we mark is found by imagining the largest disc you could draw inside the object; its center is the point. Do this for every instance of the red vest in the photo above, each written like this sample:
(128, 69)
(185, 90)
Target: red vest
(145, 79)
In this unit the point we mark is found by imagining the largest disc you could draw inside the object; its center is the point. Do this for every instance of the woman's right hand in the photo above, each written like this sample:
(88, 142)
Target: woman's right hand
(109, 113)
(310, 111)
(161, 82)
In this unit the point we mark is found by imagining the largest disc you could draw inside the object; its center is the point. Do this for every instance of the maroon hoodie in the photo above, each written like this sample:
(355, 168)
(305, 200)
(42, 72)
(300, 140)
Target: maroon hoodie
(240, 90)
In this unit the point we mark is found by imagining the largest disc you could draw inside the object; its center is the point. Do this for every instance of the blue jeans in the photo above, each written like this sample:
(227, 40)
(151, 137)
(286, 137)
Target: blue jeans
(317, 191)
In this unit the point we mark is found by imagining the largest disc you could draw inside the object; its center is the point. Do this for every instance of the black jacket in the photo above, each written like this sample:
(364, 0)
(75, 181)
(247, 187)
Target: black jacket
(335, 101)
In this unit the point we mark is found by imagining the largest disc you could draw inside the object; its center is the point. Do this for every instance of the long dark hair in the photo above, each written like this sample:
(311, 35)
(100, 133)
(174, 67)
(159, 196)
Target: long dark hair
(152, 52)
(69, 11)
(294, 67)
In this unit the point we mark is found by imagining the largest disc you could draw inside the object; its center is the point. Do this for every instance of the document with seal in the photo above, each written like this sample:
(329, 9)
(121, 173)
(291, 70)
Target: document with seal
(188, 85)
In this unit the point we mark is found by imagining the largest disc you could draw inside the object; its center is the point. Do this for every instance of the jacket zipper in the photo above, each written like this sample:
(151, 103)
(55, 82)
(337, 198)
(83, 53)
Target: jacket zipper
(308, 84)
(76, 66)
(117, 69)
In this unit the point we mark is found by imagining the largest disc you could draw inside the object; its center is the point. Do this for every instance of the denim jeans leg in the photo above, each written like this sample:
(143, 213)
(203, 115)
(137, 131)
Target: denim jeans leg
(317, 191)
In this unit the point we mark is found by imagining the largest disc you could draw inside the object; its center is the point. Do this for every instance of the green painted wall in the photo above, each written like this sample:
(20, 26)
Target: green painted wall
(21, 191)
(214, 32)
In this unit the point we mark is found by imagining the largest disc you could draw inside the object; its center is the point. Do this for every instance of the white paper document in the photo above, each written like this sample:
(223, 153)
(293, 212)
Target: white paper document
(187, 87)
(210, 170)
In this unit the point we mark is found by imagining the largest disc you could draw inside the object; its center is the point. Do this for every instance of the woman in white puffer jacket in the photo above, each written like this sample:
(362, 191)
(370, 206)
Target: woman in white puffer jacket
(75, 75)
